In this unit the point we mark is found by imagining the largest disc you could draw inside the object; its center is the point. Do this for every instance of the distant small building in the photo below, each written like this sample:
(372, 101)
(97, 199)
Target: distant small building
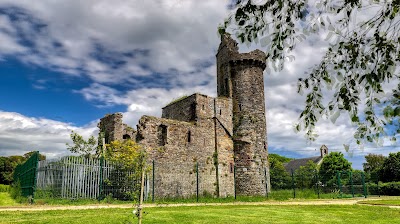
(297, 163)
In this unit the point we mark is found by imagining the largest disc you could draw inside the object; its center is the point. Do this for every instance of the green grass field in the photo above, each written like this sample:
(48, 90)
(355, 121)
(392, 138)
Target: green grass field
(215, 214)
(6, 200)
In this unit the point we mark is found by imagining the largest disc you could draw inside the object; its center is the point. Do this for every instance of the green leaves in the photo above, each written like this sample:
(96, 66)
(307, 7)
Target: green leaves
(332, 163)
(88, 148)
(362, 57)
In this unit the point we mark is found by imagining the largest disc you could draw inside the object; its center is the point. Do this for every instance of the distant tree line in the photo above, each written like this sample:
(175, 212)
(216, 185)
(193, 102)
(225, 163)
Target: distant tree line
(377, 168)
(383, 168)
(8, 164)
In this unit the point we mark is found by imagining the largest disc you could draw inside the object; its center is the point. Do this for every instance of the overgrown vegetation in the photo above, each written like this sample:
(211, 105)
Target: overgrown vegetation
(177, 99)
(389, 188)
(7, 200)
(130, 159)
(4, 188)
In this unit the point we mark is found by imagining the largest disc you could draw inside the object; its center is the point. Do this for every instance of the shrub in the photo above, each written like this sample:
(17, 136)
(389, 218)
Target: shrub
(389, 188)
(16, 193)
(4, 188)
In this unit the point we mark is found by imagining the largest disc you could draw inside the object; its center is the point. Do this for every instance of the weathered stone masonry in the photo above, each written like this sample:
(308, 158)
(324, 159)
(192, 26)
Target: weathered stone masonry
(240, 76)
(217, 133)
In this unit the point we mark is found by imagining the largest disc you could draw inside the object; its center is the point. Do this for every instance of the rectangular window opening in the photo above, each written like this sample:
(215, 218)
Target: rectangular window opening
(189, 136)
(162, 132)
(193, 111)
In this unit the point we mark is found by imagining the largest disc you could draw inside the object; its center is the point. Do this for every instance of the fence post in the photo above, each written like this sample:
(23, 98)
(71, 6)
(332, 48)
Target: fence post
(102, 168)
(294, 188)
(363, 182)
(234, 180)
(339, 184)
(35, 176)
(316, 175)
(152, 193)
(101, 178)
(351, 182)
(197, 181)
(377, 184)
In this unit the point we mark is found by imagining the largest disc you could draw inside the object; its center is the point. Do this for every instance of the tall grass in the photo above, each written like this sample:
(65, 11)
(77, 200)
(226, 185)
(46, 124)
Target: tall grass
(277, 195)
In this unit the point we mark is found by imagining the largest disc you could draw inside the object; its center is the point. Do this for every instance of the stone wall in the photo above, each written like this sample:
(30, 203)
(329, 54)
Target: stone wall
(114, 129)
(175, 162)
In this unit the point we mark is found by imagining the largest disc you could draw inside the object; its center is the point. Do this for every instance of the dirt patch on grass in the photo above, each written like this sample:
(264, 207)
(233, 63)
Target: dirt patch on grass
(291, 202)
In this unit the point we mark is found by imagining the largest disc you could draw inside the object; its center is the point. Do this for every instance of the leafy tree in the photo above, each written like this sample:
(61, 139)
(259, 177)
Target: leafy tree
(29, 154)
(7, 166)
(128, 152)
(277, 157)
(363, 55)
(129, 159)
(305, 175)
(5, 170)
(87, 148)
(332, 163)
(280, 179)
(373, 164)
(391, 168)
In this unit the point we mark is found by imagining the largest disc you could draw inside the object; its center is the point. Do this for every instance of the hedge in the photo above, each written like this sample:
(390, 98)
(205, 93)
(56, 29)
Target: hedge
(389, 188)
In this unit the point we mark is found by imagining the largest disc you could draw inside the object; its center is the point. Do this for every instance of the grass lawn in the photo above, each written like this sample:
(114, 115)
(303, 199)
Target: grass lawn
(6, 200)
(230, 214)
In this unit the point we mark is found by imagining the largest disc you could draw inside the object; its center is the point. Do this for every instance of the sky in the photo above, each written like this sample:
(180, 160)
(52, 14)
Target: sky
(65, 64)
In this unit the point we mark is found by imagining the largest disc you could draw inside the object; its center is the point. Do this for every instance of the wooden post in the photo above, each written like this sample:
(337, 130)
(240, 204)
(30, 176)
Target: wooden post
(140, 210)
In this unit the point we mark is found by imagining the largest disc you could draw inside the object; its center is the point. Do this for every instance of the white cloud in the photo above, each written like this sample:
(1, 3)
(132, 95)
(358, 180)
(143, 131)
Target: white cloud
(20, 134)
(88, 37)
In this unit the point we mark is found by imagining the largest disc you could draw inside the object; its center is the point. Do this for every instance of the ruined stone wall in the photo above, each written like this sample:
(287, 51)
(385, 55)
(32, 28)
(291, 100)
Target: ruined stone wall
(182, 110)
(175, 162)
(226, 162)
(114, 129)
(199, 106)
(224, 113)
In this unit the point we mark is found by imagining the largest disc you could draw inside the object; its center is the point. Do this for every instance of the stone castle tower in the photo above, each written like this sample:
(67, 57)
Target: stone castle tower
(240, 77)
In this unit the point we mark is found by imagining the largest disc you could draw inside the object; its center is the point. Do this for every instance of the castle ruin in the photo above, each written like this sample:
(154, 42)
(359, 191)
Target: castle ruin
(225, 136)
